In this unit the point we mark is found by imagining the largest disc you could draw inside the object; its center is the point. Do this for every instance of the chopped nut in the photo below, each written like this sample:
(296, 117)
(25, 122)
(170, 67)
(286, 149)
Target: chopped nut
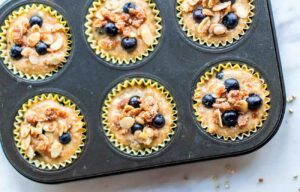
(241, 105)
(56, 149)
(127, 122)
(144, 137)
(33, 39)
(221, 6)
(35, 131)
(139, 120)
(291, 99)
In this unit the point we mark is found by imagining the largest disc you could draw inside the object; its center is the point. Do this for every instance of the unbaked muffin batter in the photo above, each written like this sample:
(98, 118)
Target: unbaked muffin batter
(140, 117)
(50, 132)
(37, 42)
(215, 21)
(124, 29)
(232, 102)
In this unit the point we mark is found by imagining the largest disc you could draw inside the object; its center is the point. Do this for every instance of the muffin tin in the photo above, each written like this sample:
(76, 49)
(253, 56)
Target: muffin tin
(177, 63)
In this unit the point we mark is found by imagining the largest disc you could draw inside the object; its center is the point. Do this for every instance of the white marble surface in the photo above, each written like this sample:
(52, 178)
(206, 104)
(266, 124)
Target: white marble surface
(277, 162)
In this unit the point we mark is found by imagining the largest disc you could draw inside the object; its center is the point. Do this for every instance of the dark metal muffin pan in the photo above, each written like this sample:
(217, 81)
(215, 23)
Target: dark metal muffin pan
(177, 63)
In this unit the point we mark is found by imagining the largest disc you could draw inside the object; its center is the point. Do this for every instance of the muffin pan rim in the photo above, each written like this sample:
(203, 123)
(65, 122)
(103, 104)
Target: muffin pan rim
(29, 173)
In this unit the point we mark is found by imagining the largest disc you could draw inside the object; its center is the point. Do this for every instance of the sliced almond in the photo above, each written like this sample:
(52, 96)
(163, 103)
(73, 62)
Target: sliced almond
(48, 39)
(50, 126)
(185, 7)
(219, 117)
(219, 29)
(35, 29)
(112, 5)
(99, 15)
(33, 39)
(208, 12)
(221, 6)
(25, 142)
(34, 59)
(216, 18)
(30, 152)
(55, 59)
(212, 3)
(147, 36)
(193, 2)
(24, 130)
(57, 44)
(204, 25)
(241, 10)
(57, 27)
(126, 122)
(27, 51)
(55, 149)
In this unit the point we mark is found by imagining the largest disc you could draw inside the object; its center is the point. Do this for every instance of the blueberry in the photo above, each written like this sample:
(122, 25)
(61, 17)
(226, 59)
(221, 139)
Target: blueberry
(135, 127)
(159, 121)
(41, 48)
(220, 75)
(208, 100)
(198, 15)
(111, 29)
(134, 101)
(232, 1)
(230, 20)
(231, 84)
(65, 138)
(36, 20)
(127, 6)
(129, 43)
(15, 52)
(230, 118)
(254, 101)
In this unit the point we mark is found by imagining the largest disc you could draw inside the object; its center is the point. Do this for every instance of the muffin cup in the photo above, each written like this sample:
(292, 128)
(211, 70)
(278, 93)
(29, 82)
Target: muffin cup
(208, 75)
(4, 53)
(118, 88)
(112, 59)
(20, 117)
(218, 44)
